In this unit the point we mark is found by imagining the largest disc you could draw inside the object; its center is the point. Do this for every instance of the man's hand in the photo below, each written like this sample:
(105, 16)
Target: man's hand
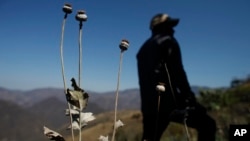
(191, 102)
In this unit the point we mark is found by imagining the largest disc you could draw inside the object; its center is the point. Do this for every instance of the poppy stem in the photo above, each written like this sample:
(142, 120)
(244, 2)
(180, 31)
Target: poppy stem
(63, 72)
(80, 53)
(61, 50)
(123, 46)
(80, 16)
(117, 94)
(79, 75)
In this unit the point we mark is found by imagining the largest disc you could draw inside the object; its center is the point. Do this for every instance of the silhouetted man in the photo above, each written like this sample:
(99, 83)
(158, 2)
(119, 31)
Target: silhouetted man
(159, 62)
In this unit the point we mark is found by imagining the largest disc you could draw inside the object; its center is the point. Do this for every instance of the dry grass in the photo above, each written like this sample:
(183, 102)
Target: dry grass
(103, 125)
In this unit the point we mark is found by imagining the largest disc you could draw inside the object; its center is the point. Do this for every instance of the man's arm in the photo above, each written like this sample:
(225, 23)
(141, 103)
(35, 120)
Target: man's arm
(177, 72)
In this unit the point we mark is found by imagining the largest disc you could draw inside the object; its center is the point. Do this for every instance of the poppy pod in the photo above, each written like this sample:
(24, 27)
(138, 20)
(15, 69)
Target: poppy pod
(124, 44)
(67, 8)
(160, 88)
(81, 16)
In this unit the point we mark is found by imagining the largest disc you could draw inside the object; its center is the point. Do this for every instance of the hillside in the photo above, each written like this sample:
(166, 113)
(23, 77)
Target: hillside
(131, 131)
(128, 99)
(226, 106)
(26, 112)
(19, 124)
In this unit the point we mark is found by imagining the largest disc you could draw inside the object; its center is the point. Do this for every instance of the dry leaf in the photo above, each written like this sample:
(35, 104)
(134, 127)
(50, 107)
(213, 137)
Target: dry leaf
(52, 135)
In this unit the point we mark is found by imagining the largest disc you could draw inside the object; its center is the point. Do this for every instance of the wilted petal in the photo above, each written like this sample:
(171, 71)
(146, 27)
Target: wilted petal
(52, 135)
(75, 125)
(118, 124)
(73, 112)
(86, 117)
(103, 138)
(77, 98)
(75, 86)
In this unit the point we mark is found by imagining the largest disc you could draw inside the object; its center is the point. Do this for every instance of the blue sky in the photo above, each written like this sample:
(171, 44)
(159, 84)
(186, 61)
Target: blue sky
(214, 37)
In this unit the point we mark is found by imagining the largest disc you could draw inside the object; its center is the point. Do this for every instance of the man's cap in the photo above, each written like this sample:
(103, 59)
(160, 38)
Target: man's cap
(163, 18)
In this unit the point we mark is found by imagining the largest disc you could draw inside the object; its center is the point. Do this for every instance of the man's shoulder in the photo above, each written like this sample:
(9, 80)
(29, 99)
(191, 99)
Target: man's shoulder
(145, 47)
(160, 39)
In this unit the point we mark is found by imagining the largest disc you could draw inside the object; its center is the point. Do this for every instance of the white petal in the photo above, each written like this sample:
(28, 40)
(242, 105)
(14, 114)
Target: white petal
(103, 138)
(75, 125)
(86, 117)
(73, 111)
(50, 133)
(118, 124)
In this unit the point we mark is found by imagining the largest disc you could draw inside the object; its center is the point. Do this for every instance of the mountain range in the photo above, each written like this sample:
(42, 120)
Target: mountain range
(24, 113)
(128, 99)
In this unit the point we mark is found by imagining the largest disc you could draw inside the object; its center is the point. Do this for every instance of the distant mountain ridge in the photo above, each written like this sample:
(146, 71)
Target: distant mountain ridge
(104, 100)
(18, 123)
(128, 99)
(46, 106)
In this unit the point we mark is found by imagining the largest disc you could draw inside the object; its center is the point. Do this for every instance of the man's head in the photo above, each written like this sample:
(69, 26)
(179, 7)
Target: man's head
(162, 22)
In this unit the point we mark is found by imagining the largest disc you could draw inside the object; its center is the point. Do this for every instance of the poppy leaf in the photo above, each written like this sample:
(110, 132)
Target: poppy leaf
(52, 135)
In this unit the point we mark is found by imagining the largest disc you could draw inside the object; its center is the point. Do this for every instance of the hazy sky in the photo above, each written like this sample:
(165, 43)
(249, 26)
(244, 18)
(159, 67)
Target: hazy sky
(214, 36)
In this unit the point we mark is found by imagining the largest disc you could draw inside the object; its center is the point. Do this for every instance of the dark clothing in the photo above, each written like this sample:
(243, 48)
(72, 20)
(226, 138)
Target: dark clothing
(159, 61)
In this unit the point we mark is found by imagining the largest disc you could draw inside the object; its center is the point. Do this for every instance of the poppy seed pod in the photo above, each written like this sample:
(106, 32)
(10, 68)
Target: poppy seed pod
(160, 88)
(124, 44)
(81, 16)
(67, 8)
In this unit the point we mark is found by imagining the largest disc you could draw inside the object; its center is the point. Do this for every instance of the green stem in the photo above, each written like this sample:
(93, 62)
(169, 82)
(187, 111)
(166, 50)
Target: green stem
(80, 54)
(63, 74)
(80, 126)
(117, 95)
(79, 74)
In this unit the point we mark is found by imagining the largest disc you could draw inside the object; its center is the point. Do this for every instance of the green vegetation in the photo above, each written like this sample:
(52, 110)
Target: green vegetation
(226, 105)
